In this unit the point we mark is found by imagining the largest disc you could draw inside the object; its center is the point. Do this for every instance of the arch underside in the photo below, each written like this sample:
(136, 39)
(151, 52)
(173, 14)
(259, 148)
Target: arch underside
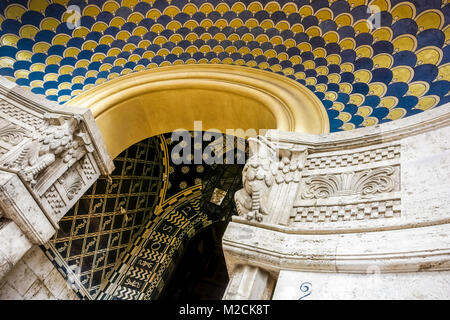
(151, 102)
(125, 235)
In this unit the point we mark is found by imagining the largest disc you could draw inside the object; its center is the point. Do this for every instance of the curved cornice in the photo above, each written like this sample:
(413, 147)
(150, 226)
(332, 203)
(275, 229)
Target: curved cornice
(353, 253)
(385, 132)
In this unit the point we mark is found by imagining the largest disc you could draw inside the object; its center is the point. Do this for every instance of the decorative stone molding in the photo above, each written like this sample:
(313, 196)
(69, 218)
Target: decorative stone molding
(269, 173)
(365, 182)
(49, 156)
(13, 245)
(348, 158)
(375, 197)
(59, 138)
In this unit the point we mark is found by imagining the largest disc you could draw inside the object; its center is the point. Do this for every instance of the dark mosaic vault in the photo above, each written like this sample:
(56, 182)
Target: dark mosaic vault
(125, 236)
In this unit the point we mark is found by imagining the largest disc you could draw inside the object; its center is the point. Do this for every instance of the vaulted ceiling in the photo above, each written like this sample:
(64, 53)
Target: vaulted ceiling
(124, 236)
(363, 76)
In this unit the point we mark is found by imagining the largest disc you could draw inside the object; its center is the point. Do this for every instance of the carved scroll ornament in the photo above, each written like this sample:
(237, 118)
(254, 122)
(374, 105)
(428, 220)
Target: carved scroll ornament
(60, 137)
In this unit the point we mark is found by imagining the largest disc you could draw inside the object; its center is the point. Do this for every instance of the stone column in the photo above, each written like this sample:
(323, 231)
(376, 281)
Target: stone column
(249, 283)
(368, 206)
(49, 156)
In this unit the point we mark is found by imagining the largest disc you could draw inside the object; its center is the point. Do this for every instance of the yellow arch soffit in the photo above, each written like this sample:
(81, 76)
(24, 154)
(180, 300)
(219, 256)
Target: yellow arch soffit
(136, 106)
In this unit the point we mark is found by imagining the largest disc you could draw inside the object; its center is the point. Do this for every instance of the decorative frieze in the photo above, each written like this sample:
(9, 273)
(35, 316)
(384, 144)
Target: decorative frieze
(365, 188)
(88, 168)
(342, 186)
(72, 183)
(348, 212)
(350, 157)
(54, 199)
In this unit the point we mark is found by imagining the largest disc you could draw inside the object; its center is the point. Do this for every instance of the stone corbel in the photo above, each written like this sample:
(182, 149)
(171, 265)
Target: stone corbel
(270, 178)
(49, 156)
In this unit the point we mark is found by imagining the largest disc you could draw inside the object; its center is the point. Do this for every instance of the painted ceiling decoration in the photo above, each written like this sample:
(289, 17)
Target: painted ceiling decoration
(105, 246)
(363, 76)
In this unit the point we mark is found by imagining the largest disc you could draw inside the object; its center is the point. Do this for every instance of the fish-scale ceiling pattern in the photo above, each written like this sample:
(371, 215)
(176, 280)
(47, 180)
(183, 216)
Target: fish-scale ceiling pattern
(363, 75)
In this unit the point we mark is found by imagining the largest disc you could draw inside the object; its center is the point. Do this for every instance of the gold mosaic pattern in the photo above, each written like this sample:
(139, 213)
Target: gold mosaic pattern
(363, 75)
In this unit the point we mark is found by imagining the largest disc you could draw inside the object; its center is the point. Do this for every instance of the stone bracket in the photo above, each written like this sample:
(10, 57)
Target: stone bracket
(49, 156)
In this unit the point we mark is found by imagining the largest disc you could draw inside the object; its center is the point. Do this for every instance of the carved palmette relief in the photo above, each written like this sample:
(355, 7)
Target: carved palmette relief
(11, 134)
(51, 153)
(352, 211)
(365, 182)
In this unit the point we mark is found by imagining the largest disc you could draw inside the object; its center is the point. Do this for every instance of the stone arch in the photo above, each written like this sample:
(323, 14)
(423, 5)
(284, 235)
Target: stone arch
(161, 100)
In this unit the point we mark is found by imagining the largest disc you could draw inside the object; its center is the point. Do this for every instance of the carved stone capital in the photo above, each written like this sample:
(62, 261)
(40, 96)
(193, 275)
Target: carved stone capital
(49, 156)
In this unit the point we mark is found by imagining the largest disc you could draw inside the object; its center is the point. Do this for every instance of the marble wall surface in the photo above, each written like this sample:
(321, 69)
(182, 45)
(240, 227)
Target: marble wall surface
(369, 200)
